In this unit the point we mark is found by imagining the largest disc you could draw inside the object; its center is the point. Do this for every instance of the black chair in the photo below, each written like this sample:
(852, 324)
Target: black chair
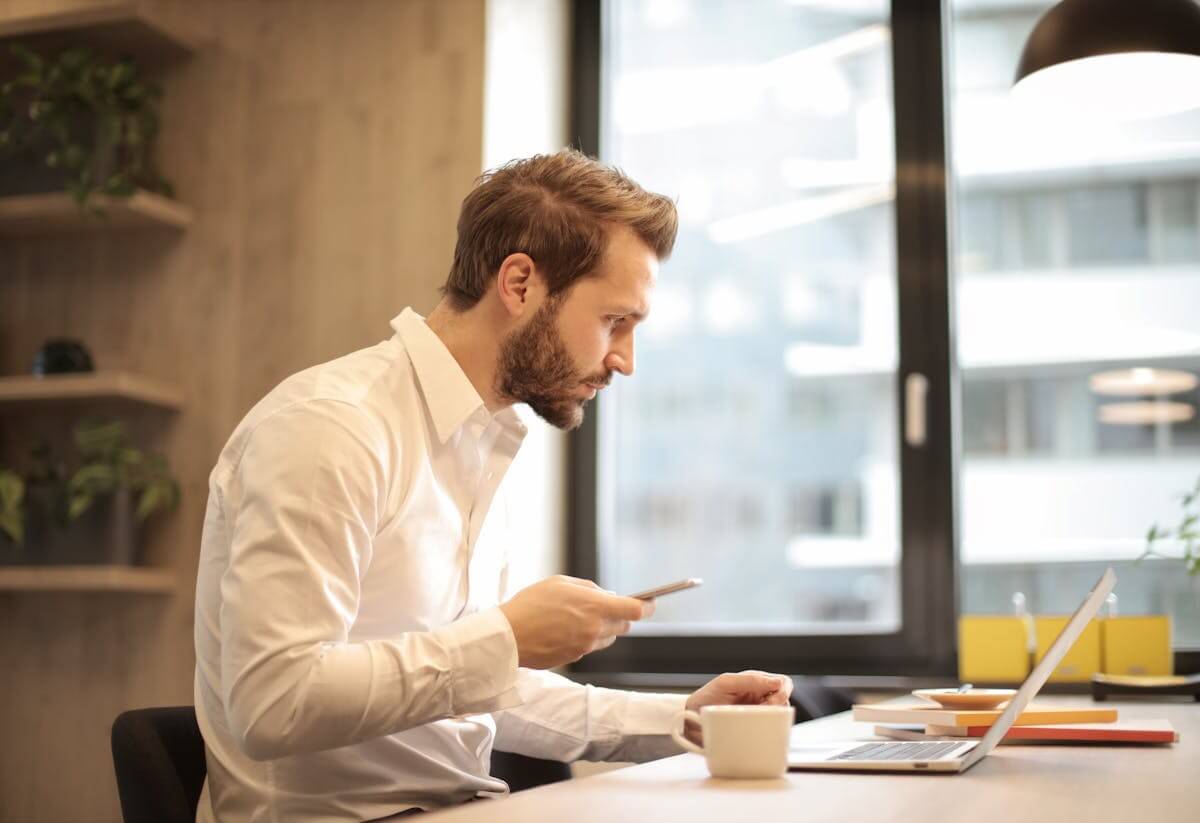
(158, 755)
(522, 772)
(812, 700)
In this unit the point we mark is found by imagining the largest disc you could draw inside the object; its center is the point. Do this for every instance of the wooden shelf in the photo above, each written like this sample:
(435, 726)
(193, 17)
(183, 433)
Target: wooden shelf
(102, 385)
(116, 27)
(57, 212)
(86, 579)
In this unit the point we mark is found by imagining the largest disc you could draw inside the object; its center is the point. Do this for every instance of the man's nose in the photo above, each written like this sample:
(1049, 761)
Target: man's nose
(620, 359)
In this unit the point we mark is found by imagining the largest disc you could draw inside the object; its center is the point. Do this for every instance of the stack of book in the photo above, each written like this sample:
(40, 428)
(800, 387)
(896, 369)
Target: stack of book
(1085, 724)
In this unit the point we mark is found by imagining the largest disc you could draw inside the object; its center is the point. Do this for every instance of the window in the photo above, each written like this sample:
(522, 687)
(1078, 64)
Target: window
(1093, 278)
(789, 343)
(762, 444)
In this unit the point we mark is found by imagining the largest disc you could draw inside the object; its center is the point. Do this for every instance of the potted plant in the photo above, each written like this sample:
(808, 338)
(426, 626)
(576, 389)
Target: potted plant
(79, 122)
(1186, 532)
(91, 514)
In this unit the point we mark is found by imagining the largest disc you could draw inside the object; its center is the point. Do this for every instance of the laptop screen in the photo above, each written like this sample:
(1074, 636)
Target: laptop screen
(1041, 672)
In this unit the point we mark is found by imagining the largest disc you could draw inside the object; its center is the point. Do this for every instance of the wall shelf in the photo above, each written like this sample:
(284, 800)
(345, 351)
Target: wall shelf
(116, 27)
(56, 212)
(86, 579)
(102, 385)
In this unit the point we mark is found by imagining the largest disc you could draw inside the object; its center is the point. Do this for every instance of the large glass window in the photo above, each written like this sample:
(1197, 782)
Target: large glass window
(768, 442)
(757, 445)
(1077, 254)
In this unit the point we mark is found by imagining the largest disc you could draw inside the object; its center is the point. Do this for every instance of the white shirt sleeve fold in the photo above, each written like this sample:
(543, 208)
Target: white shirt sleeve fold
(292, 680)
(559, 719)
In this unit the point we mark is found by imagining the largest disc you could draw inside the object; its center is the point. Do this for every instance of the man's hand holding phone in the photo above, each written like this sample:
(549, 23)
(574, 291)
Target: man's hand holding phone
(560, 619)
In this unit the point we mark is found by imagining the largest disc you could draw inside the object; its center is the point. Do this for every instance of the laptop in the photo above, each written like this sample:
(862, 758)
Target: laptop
(950, 755)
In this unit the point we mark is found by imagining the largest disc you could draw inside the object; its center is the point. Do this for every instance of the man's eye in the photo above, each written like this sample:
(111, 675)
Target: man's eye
(616, 320)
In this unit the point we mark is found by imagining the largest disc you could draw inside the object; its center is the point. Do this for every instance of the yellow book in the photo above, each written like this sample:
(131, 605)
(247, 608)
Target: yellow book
(1137, 645)
(929, 715)
(992, 649)
(1083, 659)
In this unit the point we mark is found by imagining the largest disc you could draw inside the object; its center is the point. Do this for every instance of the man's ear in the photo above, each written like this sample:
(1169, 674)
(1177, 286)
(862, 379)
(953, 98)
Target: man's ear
(518, 284)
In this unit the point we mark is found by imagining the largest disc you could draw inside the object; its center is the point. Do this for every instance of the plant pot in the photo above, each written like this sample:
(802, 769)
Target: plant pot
(11, 554)
(26, 172)
(106, 534)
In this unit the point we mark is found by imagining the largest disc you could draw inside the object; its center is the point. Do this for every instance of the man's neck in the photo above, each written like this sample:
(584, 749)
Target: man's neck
(473, 339)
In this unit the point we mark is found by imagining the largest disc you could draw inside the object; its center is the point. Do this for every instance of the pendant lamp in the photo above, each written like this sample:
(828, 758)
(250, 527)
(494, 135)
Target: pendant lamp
(1113, 59)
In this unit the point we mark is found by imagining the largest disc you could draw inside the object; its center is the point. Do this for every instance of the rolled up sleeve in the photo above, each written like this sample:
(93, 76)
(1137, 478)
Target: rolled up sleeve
(559, 719)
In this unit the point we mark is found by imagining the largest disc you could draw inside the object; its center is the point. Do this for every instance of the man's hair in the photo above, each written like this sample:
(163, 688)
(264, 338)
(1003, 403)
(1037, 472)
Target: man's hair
(557, 208)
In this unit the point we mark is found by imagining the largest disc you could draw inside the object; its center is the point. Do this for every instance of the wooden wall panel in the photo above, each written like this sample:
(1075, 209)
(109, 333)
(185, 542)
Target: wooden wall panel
(325, 147)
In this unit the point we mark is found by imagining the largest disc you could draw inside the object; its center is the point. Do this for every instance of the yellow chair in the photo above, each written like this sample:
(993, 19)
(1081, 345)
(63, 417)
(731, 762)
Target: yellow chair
(1083, 659)
(1137, 645)
(992, 649)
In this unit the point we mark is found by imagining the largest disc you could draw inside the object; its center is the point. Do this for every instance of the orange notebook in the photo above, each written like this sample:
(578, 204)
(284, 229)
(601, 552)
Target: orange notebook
(1137, 731)
(927, 714)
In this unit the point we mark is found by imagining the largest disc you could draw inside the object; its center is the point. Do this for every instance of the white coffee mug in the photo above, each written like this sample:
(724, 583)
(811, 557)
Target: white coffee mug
(740, 741)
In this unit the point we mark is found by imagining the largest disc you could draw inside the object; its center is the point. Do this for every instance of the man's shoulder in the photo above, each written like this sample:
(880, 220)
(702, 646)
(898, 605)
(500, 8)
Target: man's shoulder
(369, 389)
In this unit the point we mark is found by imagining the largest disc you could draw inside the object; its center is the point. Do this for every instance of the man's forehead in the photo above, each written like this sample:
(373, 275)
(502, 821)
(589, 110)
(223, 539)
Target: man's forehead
(622, 295)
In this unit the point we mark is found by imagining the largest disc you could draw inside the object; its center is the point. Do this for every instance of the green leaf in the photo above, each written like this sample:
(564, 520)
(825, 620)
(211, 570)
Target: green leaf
(120, 74)
(12, 524)
(93, 479)
(130, 457)
(74, 59)
(78, 506)
(153, 498)
(100, 437)
(12, 489)
(28, 57)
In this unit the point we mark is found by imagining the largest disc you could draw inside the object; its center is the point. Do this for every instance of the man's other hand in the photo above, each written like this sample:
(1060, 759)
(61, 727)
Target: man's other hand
(560, 619)
(749, 688)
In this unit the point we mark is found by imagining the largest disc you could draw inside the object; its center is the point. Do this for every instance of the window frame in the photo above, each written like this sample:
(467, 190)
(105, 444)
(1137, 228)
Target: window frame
(924, 645)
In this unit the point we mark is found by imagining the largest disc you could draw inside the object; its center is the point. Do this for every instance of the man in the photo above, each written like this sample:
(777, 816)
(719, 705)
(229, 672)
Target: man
(356, 658)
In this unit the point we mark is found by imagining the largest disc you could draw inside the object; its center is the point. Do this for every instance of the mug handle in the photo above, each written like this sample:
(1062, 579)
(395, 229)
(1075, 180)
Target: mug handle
(677, 726)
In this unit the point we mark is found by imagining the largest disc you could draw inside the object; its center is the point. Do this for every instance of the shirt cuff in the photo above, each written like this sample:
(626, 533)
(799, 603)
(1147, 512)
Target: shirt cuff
(483, 653)
(646, 726)
(647, 714)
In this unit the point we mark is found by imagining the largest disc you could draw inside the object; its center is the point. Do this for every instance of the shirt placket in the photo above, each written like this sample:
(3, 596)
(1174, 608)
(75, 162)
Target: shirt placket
(498, 447)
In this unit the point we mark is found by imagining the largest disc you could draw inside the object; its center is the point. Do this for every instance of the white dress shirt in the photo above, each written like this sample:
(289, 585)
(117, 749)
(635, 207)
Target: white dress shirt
(351, 661)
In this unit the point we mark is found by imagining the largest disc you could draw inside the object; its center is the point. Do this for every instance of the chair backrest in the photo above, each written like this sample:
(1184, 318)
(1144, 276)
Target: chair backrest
(812, 699)
(158, 755)
(522, 772)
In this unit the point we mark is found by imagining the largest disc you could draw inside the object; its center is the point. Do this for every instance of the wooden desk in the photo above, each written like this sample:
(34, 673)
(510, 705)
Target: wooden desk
(1054, 783)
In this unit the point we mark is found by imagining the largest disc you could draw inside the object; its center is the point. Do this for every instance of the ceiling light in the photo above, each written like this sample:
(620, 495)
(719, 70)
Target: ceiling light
(1141, 381)
(1115, 59)
(1146, 412)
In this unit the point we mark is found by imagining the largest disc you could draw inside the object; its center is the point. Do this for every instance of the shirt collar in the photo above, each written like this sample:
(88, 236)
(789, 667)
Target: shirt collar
(449, 394)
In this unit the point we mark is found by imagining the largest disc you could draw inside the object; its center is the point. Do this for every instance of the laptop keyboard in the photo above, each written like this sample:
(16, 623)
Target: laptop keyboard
(900, 751)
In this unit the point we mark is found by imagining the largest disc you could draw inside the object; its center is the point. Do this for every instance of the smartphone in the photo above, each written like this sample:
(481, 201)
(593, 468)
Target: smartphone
(670, 588)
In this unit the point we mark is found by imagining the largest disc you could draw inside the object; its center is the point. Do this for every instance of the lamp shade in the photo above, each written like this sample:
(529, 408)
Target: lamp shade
(1122, 59)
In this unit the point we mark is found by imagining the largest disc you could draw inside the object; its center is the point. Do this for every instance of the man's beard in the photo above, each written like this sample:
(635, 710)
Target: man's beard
(535, 367)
